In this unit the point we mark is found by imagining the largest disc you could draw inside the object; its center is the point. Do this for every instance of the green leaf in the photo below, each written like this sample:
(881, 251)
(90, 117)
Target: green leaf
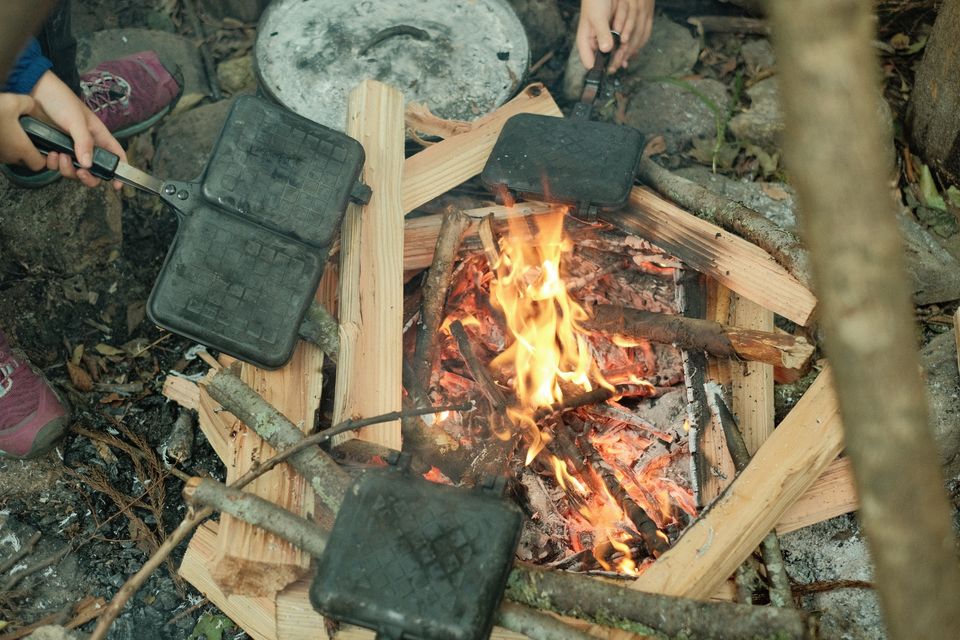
(928, 191)
(210, 627)
(917, 46)
(953, 196)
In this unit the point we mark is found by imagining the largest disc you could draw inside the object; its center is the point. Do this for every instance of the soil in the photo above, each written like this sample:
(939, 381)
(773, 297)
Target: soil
(110, 509)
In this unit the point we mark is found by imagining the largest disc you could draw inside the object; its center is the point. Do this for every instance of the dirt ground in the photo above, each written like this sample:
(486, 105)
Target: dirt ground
(103, 500)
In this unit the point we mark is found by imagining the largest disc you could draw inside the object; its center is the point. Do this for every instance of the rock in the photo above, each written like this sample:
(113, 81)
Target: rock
(573, 76)
(671, 51)
(762, 123)
(835, 550)
(755, 195)
(934, 273)
(939, 360)
(236, 75)
(545, 26)
(179, 54)
(63, 227)
(676, 112)
(51, 632)
(758, 55)
(186, 140)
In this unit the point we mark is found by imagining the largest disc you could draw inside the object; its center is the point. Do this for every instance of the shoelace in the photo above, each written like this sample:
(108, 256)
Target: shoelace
(106, 91)
(8, 365)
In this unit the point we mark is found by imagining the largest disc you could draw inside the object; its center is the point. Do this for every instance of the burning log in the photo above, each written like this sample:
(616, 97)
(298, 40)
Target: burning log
(544, 589)
(732, 216)
(782, 350)
(435, 294)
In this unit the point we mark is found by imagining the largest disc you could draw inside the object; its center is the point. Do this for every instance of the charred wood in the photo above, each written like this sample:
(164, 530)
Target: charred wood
(778, 349)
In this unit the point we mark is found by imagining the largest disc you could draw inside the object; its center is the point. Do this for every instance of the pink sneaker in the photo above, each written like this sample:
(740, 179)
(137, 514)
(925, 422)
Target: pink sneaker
(31, 416)
(129, 94)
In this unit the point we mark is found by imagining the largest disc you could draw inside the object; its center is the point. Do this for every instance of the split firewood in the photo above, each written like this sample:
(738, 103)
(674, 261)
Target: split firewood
(435, 294)
(732, 216)
(779, 582)
(554, 590)
(782, 350)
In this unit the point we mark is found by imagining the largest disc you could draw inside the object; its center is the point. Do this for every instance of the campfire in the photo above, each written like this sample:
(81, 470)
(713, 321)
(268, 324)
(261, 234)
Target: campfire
(606, 485)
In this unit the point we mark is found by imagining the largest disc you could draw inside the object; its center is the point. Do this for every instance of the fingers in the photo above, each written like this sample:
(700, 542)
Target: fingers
(15, 145)
(586, 44)
(103, 138)
(593, 30)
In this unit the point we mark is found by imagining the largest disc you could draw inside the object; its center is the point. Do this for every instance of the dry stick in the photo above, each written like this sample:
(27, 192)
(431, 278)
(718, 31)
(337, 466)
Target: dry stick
(779, 582)
(24, 551)
(134, 582)
(778, 349)
(573, 594)
(536, 624)
(839, 163)
(732, 216)
(40, 565)
(729, 24)
(435, 293)
(322, 329)
(578, 594)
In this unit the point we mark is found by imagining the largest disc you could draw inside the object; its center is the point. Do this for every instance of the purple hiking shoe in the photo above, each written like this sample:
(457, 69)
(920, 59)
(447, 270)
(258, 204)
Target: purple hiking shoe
(31, 416)
(129, 94)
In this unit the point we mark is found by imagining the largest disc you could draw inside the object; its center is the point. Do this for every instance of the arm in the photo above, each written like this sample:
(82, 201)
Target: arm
(632, 19)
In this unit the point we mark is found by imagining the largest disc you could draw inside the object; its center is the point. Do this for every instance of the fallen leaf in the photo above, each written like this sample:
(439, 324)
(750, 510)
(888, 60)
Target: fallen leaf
(136, 312)
(656, 145)
(105, 452)
(77, 354)
(79, 377)
(774, 191)
(928, 190)
(137, 348)
(107, 350)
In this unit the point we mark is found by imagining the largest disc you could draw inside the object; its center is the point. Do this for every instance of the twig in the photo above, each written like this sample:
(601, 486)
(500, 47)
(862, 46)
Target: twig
(24, 551)
(544, 59)
(830, 585)
(322, 329)
(189, 610)
(40, 565)
(435, 294)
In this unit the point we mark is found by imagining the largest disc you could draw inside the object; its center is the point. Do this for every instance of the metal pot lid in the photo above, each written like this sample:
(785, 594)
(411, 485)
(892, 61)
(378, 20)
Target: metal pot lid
(462, 58)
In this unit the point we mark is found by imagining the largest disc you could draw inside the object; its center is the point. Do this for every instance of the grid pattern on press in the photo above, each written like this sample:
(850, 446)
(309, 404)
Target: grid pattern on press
(227, 281)
(282, 173)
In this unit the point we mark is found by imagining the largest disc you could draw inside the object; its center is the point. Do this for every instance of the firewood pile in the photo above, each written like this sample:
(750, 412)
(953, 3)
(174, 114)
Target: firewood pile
(658, 320)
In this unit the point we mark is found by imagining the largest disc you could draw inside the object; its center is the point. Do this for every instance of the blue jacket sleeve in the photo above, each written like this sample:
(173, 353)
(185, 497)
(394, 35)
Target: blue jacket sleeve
(27, 71)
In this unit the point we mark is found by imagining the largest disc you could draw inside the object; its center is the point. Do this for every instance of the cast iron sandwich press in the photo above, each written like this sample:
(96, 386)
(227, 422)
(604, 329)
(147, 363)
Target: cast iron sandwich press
(254, 229)
(575, 161)
(416, 560)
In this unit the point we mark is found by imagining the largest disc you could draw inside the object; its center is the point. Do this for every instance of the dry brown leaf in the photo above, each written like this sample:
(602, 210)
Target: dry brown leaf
(107, 350)
(774, 192)
(655, 146)
(79, 377)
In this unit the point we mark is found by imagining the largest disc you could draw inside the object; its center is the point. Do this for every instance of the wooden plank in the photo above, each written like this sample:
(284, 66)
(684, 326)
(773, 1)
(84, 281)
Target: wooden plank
(371, 298)
(217, 425)
(731, 260)
(184, 392)
(442, 166)
(787, 464)
(832, 495)
(257, 616)
(752, 382)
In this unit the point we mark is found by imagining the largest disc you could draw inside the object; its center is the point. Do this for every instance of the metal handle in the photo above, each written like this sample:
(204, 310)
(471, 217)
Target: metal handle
(392, 32)
(593, 81)
(48, 139)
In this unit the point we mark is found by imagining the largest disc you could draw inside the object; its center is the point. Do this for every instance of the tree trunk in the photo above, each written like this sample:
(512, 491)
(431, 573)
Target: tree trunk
(835, 153)
(934, 115)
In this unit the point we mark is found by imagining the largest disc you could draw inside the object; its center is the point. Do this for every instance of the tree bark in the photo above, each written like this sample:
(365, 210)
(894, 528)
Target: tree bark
(836, 154)
(934, 115)
(778, 349)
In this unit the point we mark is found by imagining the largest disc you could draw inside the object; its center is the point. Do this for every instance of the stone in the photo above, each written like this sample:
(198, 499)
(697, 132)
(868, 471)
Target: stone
(934, 272)
(544, 25)
(939, 360)
(236, 75)
(675, 111)
(179, 54)
(762, 123)
(64, 227)
(186, 140)
(672, 51)
(758, 55)
(835, 550)
(755, 195)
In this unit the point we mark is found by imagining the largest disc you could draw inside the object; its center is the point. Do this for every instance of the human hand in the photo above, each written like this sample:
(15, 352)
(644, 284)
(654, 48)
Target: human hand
(632, 19)
(64, 109)
(15, 146)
